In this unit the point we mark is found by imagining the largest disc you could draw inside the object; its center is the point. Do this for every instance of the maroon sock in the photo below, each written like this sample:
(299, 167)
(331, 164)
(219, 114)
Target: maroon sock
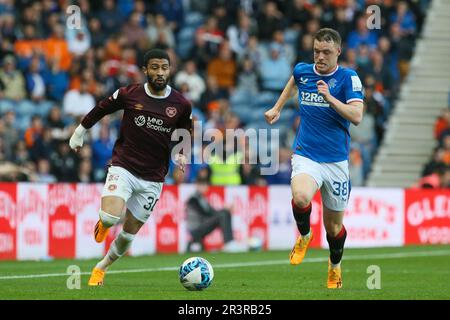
(301, 216)
(337, 245)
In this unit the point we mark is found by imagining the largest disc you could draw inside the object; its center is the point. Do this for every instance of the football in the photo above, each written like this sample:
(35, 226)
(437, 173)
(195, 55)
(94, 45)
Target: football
(196, 274)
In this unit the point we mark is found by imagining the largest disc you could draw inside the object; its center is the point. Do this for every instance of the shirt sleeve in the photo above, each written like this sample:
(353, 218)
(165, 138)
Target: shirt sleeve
(353, 88)
(185, 121)
(297, 69)
(106, 106)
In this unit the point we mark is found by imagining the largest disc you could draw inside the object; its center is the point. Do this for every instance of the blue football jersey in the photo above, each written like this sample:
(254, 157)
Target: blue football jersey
(323, 134)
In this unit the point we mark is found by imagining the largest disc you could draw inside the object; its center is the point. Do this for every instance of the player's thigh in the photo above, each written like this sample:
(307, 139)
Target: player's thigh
(332, 221)
(131, 224)
(305, 180)
(142, 202)
(116, 191)
(335, 194)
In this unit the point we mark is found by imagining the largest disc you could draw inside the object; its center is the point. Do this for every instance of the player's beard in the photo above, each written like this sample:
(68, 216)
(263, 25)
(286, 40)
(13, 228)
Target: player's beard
(155, 85)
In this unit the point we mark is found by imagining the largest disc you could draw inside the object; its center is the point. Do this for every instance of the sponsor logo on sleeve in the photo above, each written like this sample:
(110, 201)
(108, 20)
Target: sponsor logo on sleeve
(356, 83)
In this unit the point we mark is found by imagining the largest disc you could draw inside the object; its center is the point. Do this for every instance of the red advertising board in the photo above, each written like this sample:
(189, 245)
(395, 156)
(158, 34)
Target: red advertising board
(427, 216)
(166, 217)
(8, 221)
(258, 204)
(61, 218)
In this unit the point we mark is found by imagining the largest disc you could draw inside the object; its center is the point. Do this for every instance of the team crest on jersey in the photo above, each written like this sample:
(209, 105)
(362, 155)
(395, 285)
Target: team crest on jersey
(171, 111)
(332, 83)
(140, 121)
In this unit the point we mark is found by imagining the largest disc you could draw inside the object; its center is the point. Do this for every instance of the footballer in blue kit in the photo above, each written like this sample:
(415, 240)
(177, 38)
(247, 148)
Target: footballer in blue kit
(330, 98)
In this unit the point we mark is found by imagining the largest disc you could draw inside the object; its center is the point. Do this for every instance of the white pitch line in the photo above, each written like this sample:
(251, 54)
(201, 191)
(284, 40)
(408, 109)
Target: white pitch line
(395, 255)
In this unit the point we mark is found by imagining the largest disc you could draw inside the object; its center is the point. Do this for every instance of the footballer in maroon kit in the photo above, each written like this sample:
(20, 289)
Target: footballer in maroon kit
(141, 154)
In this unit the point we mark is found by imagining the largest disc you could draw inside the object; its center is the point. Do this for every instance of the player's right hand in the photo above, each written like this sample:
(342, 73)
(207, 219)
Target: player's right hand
(272, 115)
(76, 140)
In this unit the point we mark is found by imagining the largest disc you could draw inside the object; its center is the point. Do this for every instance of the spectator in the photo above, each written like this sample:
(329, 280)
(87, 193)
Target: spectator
(78, 102)
(269, 20)
(56, 48)
(442, 123)
(248, 78)
(173, 11)
(64, 163)
(98, 38)
(405, 19)
(84, 173)
(212, 93)
(224, 68)
(57, 81)
(133, 30)
(80, 43)
(239, 35)
(102, 152)
(299, 13)
(362, 35)
(8, 134)
(34, 132)
(35, 81)
(43, 146)
(202, 219)
(305, 49)
(43, 174)
(12, 79)
(208, 39)
(195, 83)
(275, 71)
(285, 49)
(159, 33)
(110, 18)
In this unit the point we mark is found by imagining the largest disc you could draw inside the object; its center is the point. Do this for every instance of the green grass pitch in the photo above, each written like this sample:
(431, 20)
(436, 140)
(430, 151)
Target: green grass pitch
(419, 272)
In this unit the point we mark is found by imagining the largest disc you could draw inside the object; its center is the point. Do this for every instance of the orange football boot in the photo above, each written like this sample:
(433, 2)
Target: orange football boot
(301, 246)
(334, 277)
(96, 278)
(100, 232)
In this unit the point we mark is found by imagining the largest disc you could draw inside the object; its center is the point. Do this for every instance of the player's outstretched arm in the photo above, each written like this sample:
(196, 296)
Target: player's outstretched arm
(104, 107)
(273, 114)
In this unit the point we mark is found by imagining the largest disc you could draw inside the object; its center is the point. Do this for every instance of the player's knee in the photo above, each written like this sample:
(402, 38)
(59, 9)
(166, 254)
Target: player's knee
(301, 200)
(108, 220)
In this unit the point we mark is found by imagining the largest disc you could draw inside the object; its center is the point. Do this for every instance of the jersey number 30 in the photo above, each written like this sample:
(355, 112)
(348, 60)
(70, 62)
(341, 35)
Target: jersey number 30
(151, 203)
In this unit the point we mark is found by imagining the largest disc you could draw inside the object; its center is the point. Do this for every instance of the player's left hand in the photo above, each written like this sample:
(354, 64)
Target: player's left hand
(181, 160)
(322, 89)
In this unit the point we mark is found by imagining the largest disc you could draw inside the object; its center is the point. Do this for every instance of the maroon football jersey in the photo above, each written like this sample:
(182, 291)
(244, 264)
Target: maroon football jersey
(143, 146)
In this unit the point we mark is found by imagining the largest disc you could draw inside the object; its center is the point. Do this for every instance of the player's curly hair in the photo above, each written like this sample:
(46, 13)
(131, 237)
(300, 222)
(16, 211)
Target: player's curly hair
(155, 54)
(328, 35)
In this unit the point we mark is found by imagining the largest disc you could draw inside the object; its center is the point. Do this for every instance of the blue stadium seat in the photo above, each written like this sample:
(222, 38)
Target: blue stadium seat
(6, 105)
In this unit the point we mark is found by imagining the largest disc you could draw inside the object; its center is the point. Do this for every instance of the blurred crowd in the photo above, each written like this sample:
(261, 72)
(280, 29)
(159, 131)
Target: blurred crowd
(230, 58)
(436, 173)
